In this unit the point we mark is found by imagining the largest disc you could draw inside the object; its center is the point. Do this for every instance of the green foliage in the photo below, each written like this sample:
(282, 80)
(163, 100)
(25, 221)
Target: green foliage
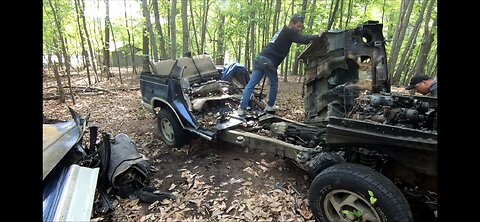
(238, 17)
(373, 200)
(356, 214)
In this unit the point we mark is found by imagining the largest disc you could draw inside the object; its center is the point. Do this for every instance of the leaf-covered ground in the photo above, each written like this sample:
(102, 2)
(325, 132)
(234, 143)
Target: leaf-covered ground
(212, 181)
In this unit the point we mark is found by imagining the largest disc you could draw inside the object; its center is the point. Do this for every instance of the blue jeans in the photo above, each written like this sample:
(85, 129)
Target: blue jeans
(263, 66)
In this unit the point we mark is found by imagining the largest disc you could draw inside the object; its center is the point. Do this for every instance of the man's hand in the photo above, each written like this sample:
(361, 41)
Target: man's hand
(321, 33)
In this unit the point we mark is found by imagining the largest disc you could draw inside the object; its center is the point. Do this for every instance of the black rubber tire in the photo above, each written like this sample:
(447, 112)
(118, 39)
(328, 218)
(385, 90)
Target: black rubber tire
(321, 161)
(178, 136)
(391, 205)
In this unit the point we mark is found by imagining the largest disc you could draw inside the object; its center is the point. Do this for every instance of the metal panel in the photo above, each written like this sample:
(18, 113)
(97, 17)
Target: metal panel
(58, 139)
(77, 194)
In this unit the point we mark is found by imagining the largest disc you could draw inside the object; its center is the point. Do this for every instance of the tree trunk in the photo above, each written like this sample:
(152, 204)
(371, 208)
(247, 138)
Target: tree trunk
(383, 9)
(130, 44)
(106, 47)
(401, 36)
(266, 32)
(58, 54)
(312, 13)
(285, 72)
(67, 60)
(118, 59)
(276, 17)
(206, 6)
(299, 47)
(173, 29)
(413, 35)
(349, 13)
(163, 51)
(252, 37)
(84, 52)
(194, 28)
(68, 66)
(186, 35)
(426, 42)
(239, 56)
(146, 14)
(89, 42)
(146, 59)
(398, 27)
(133, 45)
(432, 64)
(60, 90)
(341, 14)
(98, 50)
(331, 16)
(247, 48)
(220, 60)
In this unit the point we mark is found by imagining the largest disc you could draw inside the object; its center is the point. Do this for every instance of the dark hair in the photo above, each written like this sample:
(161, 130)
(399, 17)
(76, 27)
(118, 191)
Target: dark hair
(416, 79)
(297, 18)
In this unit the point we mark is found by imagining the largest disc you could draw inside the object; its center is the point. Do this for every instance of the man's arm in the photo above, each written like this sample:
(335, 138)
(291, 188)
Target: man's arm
(303, 38)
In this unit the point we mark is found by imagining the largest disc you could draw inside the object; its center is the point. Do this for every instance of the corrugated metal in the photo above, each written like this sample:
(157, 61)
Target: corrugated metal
(69, 196)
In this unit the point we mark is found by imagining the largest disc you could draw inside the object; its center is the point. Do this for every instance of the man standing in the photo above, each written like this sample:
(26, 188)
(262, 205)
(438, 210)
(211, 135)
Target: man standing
(423, 84)
(270, 58)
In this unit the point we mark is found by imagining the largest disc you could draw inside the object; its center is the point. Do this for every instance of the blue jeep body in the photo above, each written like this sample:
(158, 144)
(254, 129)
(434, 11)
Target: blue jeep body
(192, 89)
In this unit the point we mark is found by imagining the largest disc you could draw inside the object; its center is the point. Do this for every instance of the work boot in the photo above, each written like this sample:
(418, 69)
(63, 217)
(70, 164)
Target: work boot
(271, 108)
(240, 112)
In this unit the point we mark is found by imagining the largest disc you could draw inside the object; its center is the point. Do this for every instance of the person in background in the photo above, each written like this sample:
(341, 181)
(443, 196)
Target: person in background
(423, 84)
(268, 60)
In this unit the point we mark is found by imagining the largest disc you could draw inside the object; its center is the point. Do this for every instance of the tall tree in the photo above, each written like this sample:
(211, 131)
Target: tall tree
(298, 47)
(89, 42)
(398, 27)
(252, 29)
(349, 13)
(130, 43)
(221, 39)
(341, 15)
(84, 52)
(383, 9)
(146, 59)
(206, 6)
(185, 27)
(118, 55)
(432, 65)
(409, 46)
(426, 44)
(97, 26)
(285, 61)
(173, 29)
(106, 46)
(60, 90)
(194, 28)
(333, 12)
(276, 17)
(64, 50)
(311, 14)
(403, 28)
(163, 51)
(146, 14)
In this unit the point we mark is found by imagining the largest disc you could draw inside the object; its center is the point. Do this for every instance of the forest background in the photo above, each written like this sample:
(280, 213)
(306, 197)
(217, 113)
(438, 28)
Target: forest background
(97, 36)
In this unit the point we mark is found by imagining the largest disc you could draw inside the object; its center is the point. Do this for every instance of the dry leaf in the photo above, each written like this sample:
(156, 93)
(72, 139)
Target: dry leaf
(248, 215)
(248, 183)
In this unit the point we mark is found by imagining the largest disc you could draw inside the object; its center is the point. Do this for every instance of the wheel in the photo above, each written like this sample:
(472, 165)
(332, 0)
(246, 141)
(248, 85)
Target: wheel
(322, 161)
(341, 193)
(170, 129)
